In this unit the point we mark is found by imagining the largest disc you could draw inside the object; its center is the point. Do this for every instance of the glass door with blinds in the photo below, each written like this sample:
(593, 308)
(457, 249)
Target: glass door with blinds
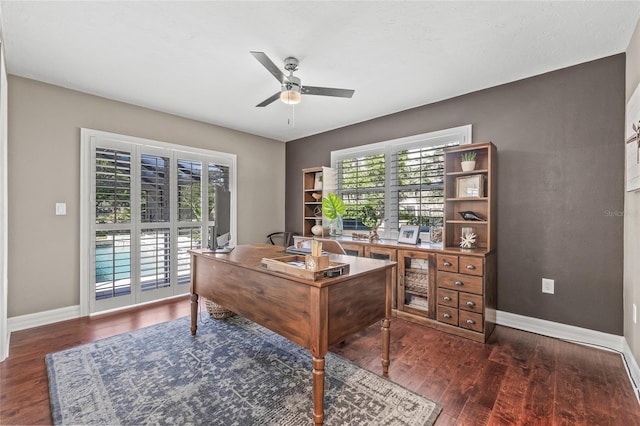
(151, 205)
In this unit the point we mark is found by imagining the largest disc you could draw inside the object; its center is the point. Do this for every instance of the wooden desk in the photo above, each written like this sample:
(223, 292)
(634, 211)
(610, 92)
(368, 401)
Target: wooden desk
(313, 314)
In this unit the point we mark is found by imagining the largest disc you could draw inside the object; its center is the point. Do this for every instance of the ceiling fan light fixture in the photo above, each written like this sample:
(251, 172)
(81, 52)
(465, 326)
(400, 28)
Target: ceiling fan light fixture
(290, 93)
(291, 97)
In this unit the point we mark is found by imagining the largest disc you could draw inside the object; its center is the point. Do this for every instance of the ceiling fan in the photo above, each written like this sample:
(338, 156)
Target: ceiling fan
(291, 87)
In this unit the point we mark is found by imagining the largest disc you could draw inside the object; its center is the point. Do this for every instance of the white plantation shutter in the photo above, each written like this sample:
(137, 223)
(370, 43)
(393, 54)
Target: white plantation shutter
(150, 203)
(417, 186)
(405, 175)
(113, 257)
(361, 180)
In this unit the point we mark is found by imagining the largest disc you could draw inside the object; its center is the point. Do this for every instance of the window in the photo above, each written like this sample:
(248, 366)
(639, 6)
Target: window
(403, 178)
(142, 211)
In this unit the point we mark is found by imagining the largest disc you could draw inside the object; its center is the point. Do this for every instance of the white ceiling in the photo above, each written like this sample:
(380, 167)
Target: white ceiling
(192, 58)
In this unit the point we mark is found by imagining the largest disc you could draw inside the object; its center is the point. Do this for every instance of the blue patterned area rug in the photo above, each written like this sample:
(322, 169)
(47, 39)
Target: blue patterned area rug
(234, 372)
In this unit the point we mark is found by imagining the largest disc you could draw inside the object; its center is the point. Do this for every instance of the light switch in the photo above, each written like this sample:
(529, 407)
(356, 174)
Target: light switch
(61, 209)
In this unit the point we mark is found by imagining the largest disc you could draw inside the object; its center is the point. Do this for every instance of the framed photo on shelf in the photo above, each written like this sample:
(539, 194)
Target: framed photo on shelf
(317, 184)
(470, 186)
(409, 234)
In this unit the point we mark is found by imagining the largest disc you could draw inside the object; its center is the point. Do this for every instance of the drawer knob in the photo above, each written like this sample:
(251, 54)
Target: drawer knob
(458, 283)
(447, 316)
(470, 303)
(471, 267)
(447, 298)
(445, 263)
(470, 321)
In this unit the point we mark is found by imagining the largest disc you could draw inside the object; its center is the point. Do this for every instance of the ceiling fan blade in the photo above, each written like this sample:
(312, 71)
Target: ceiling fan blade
(269, 100)
(270, 66)
(327, 91)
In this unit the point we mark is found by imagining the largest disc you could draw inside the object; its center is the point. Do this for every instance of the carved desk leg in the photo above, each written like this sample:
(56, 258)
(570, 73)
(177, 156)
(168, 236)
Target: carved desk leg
(194, 313)
(318, 390)
(386, 322)
(385, 346)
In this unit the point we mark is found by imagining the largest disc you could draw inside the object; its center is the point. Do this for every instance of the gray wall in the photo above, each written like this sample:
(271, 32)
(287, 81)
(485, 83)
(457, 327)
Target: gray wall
(560, 184)
(44, 168)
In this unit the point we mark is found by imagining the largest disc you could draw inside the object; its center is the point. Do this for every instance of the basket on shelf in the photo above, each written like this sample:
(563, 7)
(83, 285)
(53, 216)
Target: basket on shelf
(417, 281)
(217, 311)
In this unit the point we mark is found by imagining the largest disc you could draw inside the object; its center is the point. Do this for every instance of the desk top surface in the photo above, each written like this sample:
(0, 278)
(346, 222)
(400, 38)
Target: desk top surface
(249, 256)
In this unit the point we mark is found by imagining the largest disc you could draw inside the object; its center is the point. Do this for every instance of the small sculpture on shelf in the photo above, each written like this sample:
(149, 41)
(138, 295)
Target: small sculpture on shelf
(469, 215)
(468, 238)
(372, 215)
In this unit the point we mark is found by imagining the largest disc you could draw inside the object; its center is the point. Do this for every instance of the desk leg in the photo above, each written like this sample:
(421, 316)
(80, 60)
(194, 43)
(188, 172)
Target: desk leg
(385, 346)
(318, 390)
(194, 313)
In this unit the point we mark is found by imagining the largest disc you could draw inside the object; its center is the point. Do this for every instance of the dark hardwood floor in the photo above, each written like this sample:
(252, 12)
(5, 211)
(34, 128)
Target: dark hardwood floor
(516, 378)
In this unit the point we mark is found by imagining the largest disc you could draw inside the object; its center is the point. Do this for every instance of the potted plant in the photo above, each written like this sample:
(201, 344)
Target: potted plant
(333, 209)
(468, 161)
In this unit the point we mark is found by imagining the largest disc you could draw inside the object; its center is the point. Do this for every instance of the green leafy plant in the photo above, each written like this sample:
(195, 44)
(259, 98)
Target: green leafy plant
(332, 206)
(468, 156)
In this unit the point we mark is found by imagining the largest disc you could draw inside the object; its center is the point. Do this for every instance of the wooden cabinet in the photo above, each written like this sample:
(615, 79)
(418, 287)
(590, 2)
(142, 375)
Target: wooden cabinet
(466, 294)
(446, 287)
(385, 253)
(352, 249)
(470, 191)
(416, 283)
(311, 199)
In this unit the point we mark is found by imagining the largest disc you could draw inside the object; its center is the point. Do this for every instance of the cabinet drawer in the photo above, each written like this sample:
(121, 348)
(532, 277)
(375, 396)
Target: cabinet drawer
(469, 302)
(460, 282)
(448, 315)
(471, 321)
(447, 263)
(471, 265)
(448, 297)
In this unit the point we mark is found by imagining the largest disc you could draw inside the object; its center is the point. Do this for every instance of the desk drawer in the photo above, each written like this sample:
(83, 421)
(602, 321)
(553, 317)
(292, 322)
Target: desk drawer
(470, 302)
(471, 265)
(448, 297)
(460, 282)
(448, 315)
(471, 321)
(447, 263)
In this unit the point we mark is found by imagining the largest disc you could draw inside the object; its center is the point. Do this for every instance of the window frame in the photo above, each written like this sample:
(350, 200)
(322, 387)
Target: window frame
(460, 134)
(89, 139)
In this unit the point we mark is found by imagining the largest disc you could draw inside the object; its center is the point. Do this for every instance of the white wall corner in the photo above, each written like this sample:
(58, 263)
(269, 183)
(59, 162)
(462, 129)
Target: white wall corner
(22, 322)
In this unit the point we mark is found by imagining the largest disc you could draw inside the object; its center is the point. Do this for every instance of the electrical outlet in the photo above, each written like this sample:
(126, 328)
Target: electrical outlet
(61, 209)
(635, 314)
(548, 285)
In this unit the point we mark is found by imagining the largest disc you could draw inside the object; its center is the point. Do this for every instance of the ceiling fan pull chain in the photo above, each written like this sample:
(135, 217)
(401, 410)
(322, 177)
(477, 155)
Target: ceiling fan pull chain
(292, 120)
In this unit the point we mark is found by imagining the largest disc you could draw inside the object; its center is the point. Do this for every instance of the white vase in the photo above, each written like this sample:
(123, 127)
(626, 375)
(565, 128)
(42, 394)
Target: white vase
(468, 166)
(317, 228)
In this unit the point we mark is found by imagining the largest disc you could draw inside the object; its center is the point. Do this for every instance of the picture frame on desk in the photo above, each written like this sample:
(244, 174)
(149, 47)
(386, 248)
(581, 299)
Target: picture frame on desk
(470, 186)
(409, 234)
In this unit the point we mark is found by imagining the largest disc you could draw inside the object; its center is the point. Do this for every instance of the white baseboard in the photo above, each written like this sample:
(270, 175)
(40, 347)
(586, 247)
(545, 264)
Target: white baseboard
(633, 369)
(575, 334)
(37, 319)
(5, 346)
